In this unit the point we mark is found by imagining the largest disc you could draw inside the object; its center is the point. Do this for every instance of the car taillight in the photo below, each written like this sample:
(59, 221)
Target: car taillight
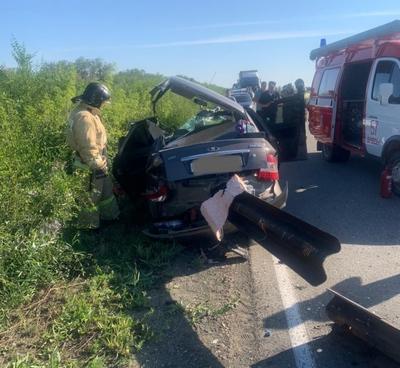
(158, 196)
(271, 171)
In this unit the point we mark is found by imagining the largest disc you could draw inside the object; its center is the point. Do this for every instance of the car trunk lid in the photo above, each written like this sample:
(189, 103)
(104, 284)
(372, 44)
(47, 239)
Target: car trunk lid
(190, 90)
(218, 157)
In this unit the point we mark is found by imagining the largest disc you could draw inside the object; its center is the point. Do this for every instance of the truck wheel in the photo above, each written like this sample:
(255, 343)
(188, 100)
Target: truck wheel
(332, 153)
(394, 163)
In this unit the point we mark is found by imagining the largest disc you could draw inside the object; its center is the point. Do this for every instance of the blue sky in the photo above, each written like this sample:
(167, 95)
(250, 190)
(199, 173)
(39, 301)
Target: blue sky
(206, 40)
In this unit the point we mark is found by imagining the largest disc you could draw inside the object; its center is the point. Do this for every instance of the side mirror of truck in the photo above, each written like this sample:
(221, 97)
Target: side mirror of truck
(385, 91)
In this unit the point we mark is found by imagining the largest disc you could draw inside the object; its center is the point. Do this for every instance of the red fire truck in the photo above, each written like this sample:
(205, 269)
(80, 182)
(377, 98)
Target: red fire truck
(354, 106)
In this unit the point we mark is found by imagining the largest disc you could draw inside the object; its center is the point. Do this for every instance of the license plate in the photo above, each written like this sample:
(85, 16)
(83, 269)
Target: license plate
(217, 164)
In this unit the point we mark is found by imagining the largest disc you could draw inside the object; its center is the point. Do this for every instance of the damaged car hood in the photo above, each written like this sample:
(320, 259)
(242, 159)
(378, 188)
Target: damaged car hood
(191, 90)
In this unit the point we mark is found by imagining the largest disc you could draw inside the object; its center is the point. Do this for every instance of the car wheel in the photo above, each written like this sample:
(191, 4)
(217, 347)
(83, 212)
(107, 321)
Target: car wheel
(394, 163)
(332, 153)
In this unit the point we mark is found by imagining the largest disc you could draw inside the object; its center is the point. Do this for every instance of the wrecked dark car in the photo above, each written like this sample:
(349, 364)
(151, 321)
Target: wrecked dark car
(176, 173)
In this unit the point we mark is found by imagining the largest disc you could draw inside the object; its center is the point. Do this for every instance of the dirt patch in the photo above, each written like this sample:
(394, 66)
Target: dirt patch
(204, 315)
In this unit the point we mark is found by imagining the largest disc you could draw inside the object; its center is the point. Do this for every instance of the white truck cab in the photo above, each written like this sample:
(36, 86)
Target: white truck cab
(382, 120)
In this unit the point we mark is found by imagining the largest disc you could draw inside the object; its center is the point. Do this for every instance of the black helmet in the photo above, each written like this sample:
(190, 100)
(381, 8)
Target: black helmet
(94, 95)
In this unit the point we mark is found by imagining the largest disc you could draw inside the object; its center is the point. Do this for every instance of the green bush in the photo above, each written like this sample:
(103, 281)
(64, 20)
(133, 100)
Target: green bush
(39, 199)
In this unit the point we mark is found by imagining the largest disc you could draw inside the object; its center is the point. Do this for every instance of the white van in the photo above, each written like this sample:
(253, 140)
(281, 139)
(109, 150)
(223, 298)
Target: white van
(354, 104)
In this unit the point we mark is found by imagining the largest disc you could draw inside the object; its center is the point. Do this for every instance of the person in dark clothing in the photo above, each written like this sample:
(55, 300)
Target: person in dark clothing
(257, 94)
(293, 116)
(267, 103)
(288, 101)
(289, 135)
(300, 110)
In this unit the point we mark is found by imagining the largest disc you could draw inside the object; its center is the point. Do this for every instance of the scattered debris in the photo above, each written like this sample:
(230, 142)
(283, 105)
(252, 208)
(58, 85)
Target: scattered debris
(239, 251)
(267, 333)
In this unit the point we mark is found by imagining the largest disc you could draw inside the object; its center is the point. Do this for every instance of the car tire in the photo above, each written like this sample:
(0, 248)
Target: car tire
(333, 153)
(394, 163)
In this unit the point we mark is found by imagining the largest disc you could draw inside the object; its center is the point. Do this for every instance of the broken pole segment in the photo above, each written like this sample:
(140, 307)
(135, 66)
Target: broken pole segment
(304, 240)
(367, 326)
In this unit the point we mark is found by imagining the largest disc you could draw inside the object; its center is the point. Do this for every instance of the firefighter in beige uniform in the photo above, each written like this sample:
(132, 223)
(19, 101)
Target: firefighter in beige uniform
(87, 136)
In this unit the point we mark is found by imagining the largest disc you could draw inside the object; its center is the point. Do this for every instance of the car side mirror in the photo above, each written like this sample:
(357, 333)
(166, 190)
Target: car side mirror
(385, 91)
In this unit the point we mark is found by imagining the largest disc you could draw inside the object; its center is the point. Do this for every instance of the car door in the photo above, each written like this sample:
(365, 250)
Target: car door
(382, 118)
(322, 105)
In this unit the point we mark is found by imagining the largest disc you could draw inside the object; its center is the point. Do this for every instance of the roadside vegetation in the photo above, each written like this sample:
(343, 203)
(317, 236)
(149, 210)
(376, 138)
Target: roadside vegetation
(69, 298)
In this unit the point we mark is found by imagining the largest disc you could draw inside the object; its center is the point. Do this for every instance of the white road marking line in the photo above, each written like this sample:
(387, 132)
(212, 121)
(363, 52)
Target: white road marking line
(297, 330)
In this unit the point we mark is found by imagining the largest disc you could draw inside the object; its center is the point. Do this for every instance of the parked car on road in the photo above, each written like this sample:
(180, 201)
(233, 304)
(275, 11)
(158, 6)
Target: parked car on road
(243, 97)
(176, 173)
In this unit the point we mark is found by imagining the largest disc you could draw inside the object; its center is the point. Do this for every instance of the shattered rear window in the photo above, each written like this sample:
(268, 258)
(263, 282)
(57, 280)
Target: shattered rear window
(203, 120)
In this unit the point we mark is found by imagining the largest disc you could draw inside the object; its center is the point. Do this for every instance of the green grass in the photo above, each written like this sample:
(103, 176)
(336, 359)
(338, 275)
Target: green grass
(102, 315)
(69, 298)
(97, 322)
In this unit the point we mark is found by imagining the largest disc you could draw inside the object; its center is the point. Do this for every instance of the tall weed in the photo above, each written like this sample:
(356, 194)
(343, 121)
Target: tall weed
(39, 199)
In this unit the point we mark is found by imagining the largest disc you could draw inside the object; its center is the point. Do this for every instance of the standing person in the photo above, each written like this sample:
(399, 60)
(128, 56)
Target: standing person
(289, 103)
(301, 121)
(257, 95)
(87, 136)
(267, 101)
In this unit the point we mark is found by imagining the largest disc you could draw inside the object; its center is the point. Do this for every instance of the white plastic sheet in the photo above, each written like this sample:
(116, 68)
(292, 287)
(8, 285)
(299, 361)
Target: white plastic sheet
(215, 209)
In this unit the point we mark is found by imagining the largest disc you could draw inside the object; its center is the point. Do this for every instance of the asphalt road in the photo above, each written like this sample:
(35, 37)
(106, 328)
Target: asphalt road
(342, 199)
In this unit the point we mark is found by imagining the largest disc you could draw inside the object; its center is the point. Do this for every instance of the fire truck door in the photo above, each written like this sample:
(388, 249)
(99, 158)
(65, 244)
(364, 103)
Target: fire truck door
(322, 108)
(382, 112)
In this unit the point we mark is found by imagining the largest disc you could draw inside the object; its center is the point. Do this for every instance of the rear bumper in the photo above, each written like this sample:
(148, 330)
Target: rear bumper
(277, 199)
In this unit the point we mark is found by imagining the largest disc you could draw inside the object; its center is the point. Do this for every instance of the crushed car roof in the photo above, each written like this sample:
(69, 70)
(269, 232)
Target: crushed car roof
(190, 90)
